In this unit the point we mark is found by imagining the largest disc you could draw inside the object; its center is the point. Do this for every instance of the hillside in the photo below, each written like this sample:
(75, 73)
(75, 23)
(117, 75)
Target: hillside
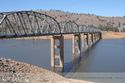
(88, 19)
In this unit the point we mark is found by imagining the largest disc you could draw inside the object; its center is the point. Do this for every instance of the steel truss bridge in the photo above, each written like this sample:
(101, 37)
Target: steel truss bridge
(30, 23)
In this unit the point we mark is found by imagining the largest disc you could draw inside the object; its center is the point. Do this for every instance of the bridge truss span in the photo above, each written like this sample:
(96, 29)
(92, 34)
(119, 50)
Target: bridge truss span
(27, 23)
(68, 27)
(30, 23)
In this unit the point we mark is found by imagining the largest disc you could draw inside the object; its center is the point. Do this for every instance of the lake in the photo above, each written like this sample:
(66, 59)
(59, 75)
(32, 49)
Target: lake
(104, 63)
(106, 56)
(36, 52)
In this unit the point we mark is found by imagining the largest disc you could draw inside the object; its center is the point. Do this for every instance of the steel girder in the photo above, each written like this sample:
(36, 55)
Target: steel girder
(69, 27)
(27, 23)
(30, 23)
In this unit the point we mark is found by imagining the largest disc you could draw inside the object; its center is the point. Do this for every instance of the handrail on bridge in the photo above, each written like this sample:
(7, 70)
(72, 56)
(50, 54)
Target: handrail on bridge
(30, 23)
(68, 27)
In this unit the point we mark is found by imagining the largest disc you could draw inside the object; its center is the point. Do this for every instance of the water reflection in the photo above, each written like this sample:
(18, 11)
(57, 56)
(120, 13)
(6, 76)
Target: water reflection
(105, 56)
(36, 52)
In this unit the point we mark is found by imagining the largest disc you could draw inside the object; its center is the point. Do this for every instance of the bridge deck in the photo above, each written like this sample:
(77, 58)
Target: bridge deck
(30, 23)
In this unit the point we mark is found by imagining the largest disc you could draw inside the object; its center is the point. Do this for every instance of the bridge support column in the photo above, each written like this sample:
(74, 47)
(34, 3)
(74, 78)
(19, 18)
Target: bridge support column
(88, 40)
(100, 35)
(57, 52)
(82, 42)
(95, 37)
(76, 47)
(92, 40)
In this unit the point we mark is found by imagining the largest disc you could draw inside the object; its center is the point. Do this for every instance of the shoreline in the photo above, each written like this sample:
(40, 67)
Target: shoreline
(12, 70)
(113, 35)
(15, 71)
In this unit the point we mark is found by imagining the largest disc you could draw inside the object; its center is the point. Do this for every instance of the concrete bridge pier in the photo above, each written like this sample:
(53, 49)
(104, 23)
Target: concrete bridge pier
(89, 40)
(92, 39)
(82, 43)
(57, 52)
(100, 35)
(86, 41)
(76, 47)
(96, 37)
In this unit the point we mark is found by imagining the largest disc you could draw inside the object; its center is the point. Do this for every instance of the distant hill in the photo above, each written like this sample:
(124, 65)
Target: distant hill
(101, 22)
(87, 19)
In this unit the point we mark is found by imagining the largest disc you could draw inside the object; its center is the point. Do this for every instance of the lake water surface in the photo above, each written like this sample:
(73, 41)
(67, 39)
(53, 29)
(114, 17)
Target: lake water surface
(105, 56)
(36, 52)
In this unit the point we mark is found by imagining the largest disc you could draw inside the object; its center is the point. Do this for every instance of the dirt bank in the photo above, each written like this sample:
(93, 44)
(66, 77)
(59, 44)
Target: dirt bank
(113, 35)
(18, 72)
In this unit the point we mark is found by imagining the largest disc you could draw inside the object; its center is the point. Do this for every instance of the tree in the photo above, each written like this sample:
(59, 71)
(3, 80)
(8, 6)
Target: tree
(123, 30)
(108, 28)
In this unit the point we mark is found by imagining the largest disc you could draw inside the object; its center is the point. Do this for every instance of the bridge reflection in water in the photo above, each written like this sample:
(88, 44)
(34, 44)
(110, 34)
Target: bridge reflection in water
(30, 23)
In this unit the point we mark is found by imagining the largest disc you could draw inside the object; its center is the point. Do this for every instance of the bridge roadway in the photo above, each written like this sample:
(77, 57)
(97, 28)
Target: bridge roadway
(31, 23)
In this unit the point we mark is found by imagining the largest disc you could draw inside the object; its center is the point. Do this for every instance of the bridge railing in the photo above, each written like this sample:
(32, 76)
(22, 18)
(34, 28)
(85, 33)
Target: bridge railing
(69, 27)
(30, 23)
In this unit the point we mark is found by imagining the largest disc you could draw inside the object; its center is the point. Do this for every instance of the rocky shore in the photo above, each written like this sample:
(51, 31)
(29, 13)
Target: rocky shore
(18, 72)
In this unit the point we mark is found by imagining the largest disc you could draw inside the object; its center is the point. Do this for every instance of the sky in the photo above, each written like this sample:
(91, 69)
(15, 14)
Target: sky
(97, 7)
